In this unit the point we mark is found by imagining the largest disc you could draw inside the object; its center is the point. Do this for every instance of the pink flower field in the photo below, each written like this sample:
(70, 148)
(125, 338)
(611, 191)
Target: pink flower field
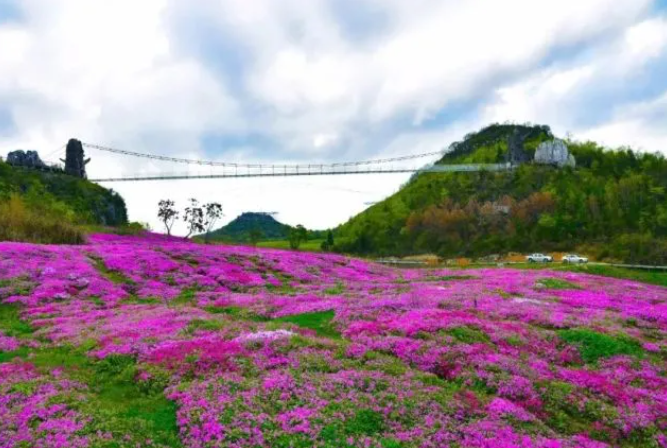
(159, 342)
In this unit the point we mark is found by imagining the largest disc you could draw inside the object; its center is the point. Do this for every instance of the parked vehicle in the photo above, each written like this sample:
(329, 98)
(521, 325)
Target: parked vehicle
(539, 258)
(574, 258)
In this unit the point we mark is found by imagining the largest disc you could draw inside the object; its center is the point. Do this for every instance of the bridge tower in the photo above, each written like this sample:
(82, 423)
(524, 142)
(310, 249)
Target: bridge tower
(75, 163)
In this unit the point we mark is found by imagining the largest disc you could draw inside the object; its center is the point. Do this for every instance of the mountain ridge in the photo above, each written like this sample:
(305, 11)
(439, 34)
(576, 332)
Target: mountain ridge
(613, 204)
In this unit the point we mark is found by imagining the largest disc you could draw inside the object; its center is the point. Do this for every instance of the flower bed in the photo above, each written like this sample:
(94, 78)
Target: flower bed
(241, 347)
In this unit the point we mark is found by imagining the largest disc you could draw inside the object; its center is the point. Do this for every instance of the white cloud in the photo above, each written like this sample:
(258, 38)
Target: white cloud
(640, 126)
(116, 73)
(324, 140)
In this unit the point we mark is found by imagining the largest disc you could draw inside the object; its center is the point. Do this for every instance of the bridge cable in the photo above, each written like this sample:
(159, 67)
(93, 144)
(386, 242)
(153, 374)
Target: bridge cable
(257, 165)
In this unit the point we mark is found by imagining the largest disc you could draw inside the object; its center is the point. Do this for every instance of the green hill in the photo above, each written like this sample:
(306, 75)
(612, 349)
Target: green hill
(613, 204)
(53, 207)
(91, 203)
(239, 229)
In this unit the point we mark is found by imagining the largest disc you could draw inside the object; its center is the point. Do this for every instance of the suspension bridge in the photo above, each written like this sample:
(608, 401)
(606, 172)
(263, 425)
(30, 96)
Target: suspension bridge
(392, 165)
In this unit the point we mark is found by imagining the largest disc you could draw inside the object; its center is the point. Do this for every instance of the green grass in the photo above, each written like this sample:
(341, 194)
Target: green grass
(118, 403)
(319, 321)
(594, 346)
(114, 276)
(203, 324)
(447, 278)
(335, 290)
(186, 297)
(310, 245)
(556, 283)
(237, 312)
(22, 352)
(468, 335)
(654, 277)
(645, 276)
(11, 323)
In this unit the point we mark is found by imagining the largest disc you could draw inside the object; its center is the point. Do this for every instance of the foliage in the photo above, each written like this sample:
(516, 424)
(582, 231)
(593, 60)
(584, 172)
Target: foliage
(89, 203)
(255, 235)
(297, 235)
(328, 244)
(212, 213)
(614, 201)
(194, 218)
(240, 228)
(49, 222)
(167, 214)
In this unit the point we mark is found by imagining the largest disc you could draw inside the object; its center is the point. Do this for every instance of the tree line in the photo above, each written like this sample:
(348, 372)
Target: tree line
(613, 204)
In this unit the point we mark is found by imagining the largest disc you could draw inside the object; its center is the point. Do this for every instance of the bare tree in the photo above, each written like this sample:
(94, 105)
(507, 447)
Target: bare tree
(212, 213)
(167, 214)
(194, 218)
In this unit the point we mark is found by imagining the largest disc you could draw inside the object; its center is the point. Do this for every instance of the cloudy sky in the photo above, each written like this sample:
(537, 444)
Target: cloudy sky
(308, 81)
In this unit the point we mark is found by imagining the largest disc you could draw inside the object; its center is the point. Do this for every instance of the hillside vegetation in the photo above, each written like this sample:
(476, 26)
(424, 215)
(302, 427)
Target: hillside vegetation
(613, 204)
(266, 231)
(52, 207)
(238, 230)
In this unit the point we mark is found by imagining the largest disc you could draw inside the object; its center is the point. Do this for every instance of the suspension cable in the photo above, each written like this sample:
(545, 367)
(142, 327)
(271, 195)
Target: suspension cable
(256, 165)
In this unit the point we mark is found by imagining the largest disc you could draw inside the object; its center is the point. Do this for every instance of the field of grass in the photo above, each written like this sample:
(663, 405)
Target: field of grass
(310, 246)
(646, 276)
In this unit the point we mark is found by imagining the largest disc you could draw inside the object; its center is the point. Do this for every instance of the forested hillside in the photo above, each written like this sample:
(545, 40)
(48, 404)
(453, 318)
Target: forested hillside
(239, 229)
(90, 202)
(52, 207)
(614, 203)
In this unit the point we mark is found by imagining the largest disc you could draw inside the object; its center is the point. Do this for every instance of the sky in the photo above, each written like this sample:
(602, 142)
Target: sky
(318, 81)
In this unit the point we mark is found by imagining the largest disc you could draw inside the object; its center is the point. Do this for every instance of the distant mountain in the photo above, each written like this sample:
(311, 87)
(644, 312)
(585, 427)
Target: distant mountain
(239, 229)
(612, 204)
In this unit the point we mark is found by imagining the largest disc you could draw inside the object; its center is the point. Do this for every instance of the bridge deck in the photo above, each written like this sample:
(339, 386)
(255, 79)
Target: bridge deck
(313, 170)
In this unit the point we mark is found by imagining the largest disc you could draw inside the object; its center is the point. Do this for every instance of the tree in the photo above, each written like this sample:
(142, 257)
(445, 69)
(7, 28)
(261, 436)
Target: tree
(167, 214)
(328, 243)
(255, 235)
(212, 213)
(297, 236)
(194, 218)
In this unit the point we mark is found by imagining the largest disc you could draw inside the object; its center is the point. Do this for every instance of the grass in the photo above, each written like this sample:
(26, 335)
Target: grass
(118, 403)
(11, 323)
(336, 290)
(556, 283)
(318, 321)
(21, 222)
(594, 346)
(654, 277)
(237, 312)
(468, 335)
(186, 297)
(310, 245)
(114, 276)
(446, 278)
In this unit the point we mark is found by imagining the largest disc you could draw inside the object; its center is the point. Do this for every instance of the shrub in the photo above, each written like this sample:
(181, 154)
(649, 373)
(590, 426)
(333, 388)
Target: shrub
(48, 224)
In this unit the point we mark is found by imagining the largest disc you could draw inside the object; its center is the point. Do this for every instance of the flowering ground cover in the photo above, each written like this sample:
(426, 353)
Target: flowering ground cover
(158, 342)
